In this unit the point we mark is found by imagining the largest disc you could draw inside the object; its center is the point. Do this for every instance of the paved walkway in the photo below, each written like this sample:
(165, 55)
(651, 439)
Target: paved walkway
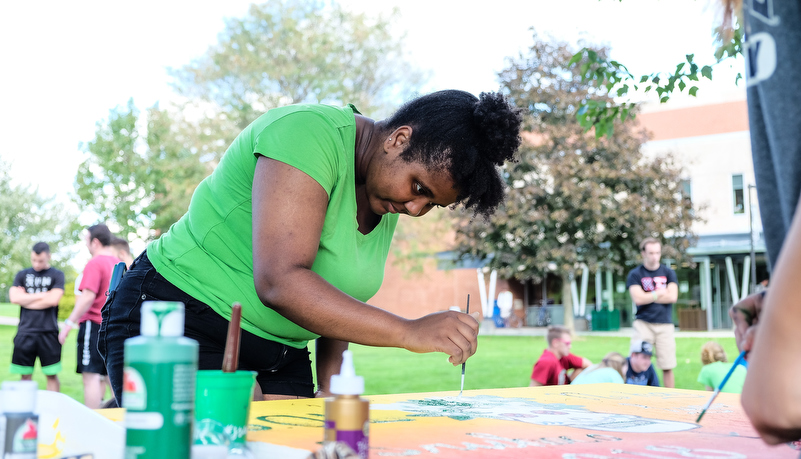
(487, 328)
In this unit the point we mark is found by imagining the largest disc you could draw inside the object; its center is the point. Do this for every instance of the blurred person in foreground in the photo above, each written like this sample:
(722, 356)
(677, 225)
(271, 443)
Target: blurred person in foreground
(556, 360)
(767, 323)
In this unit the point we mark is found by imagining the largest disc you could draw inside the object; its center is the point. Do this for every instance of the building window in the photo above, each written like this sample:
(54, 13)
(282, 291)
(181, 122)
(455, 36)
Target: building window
(686, 189)
(739, 197)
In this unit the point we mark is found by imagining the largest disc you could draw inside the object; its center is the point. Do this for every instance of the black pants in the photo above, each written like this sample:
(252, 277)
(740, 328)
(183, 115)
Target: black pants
(281, 369)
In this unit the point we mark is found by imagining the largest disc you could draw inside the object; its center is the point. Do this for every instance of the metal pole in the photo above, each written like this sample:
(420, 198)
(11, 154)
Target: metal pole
(751, 232)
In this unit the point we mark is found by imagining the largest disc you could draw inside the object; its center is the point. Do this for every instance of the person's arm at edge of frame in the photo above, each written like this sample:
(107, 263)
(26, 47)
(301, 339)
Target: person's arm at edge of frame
(772, 390)
(82, 304)
(19, 296)
(288, 214)
(50, 299)
(328, 362)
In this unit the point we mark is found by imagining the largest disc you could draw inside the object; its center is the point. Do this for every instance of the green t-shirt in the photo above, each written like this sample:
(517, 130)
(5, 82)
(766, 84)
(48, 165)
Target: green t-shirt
(712, 374)
(208, 253)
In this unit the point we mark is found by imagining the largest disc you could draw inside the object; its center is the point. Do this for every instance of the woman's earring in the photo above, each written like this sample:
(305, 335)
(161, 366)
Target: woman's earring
(390, 139)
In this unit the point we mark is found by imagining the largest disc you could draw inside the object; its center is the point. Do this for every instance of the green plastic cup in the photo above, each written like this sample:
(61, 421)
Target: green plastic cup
(222, 405)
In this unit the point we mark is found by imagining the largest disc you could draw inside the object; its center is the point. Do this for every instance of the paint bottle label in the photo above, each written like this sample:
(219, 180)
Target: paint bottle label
(20, 436)
(358, 440)
(159, 399)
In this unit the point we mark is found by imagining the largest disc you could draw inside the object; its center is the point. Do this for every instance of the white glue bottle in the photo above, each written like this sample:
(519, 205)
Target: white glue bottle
(347, 416)
(20, 438)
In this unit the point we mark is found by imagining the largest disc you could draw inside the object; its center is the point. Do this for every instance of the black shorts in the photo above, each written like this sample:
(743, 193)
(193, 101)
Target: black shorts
(281, 369)
(89, 360)
(29, 346)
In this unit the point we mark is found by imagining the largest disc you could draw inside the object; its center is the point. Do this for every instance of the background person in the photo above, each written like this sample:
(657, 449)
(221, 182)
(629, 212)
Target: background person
(715, 368)
(295, 223)
(38, 290)
(612, 369)
(122, 250)
(654, 288)
(556, 360)
(640, 370)
(85, 316)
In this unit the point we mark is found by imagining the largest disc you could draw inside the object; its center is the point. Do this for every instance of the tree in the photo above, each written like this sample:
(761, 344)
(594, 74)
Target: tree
(612, 78)
(298, 51)
(139, 177)
(25, 219)
(574, 199)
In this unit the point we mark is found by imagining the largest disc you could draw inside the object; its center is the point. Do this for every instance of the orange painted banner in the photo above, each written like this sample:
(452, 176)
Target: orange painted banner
(581, 422)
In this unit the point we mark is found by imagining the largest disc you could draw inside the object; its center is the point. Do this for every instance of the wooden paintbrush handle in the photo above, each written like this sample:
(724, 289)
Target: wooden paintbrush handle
(231, 356)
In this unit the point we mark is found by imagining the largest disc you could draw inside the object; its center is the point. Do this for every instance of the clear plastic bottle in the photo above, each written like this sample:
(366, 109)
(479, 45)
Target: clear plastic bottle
(20, 438)
(159, 385)
(347, 416)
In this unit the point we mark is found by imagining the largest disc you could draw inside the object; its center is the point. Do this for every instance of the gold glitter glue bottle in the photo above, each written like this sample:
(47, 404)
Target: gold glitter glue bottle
(347, 416)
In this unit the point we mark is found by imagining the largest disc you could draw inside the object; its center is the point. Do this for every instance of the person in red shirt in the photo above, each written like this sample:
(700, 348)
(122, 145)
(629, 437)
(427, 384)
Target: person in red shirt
(551, 369)
(85, 316)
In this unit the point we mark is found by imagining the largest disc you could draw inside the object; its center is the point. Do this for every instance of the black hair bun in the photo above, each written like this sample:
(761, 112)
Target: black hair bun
(498, 123)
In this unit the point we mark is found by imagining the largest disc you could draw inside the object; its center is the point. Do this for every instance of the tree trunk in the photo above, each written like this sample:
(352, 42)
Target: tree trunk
(567, 303)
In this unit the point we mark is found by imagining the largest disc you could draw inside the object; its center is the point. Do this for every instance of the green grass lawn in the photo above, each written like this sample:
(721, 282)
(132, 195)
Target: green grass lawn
(501, 361)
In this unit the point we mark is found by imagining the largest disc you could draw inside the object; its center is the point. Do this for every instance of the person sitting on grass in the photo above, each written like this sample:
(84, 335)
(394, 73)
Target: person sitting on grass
(551, 369)
(716, 366)
(612, 369)
(640, 371)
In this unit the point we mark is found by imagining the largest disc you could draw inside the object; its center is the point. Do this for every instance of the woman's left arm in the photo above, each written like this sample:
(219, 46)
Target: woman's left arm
(772, 389)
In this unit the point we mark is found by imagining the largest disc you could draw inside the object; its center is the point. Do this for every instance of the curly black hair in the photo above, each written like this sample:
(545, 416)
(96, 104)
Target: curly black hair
(469, 136)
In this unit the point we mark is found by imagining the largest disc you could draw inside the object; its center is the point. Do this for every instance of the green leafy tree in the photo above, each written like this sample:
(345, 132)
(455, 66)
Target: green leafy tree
(141, 174)
(139, 177)
(612, 78)
(574, 199)
(25, 219)
(297, 51)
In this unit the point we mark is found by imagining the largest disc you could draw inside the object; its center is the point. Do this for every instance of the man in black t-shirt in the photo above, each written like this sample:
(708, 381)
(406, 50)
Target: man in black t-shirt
(38, 290)
(654, 288)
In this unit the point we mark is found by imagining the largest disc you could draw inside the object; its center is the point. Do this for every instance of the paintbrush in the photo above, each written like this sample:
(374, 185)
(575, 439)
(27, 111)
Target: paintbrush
(740, 361)
(231, 355)
(467, 311)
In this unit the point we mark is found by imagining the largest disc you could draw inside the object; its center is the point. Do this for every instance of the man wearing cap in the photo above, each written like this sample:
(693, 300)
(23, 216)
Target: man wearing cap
(654, 288)
(640, 371)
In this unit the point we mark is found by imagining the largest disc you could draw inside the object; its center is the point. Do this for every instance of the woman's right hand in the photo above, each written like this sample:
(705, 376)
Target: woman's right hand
(745, 315)
(451, 332)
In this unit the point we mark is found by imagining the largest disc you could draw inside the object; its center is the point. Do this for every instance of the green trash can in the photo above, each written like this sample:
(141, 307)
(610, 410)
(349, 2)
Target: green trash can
(605, 320)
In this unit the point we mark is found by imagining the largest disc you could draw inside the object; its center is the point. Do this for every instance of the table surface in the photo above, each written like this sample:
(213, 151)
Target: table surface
(579, 422)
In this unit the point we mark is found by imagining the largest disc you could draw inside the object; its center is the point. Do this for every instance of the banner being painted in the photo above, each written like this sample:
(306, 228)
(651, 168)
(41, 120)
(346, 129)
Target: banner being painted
(582, 422)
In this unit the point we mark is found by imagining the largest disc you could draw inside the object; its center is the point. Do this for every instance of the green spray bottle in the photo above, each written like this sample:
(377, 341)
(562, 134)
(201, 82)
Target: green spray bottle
(159, 385)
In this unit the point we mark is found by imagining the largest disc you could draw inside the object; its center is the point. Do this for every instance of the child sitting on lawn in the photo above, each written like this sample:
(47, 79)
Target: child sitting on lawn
(612, 369)
(716, 366)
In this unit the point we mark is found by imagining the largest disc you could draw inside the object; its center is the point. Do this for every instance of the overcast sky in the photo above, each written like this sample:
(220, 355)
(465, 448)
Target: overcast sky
(66, 64)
